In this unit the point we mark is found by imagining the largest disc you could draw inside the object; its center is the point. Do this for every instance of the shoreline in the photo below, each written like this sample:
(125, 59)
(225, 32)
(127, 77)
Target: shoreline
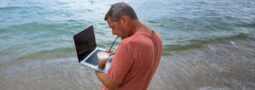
(227, 65)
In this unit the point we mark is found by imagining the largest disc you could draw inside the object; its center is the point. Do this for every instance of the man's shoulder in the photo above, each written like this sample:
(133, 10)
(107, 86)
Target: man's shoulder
(139, 39)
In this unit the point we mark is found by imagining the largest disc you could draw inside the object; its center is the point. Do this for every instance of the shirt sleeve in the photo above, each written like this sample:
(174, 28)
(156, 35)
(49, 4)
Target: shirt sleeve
(121, 63)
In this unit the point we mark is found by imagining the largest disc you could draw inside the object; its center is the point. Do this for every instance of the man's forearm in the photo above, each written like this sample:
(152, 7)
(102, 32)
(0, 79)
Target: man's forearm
(106, 81)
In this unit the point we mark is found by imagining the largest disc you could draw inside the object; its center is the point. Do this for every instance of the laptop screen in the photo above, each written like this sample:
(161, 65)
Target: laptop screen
(85, 42)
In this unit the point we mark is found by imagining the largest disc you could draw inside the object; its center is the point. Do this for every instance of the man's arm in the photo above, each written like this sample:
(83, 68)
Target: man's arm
(106, 80)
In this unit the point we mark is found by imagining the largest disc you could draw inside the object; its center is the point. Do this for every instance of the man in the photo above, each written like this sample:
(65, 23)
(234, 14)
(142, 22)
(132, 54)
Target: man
(138, 54)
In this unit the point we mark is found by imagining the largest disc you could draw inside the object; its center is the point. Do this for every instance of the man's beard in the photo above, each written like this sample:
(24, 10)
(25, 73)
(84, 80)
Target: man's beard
(125, 37)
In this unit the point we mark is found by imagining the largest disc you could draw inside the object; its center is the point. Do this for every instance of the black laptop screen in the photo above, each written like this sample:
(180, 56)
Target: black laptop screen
(85, 43)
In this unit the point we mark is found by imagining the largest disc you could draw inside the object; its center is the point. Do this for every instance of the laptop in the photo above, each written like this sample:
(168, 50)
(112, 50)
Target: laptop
(86, 49)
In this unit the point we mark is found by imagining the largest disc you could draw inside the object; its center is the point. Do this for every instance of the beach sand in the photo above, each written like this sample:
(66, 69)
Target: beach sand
(224, 65)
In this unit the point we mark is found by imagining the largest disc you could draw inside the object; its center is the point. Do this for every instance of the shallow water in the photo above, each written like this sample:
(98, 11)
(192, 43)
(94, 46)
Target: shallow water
(37, 50)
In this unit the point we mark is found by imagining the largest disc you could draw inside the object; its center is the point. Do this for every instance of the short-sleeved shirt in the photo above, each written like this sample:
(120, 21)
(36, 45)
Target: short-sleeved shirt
(136, 61)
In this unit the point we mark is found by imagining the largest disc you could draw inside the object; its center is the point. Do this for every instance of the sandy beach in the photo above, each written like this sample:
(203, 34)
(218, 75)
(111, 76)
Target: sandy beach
(224, 65)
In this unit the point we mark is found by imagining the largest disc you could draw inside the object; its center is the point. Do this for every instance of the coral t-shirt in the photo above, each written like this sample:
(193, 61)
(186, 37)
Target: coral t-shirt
(136, 61)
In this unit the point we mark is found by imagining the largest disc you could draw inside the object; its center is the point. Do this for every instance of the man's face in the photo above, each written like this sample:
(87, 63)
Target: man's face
(117, 28)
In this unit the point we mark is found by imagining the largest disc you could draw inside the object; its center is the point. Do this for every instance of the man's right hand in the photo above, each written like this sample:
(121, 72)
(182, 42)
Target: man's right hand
(112, 52)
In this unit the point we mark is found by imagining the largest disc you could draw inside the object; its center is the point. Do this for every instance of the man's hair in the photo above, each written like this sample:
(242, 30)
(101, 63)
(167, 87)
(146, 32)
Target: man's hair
(120, 9)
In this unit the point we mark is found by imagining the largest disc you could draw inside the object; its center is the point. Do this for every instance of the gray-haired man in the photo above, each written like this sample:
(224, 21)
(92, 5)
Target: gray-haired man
(138, 54)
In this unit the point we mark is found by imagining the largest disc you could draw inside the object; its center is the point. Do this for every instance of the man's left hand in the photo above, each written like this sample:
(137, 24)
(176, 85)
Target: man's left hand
(106, 81)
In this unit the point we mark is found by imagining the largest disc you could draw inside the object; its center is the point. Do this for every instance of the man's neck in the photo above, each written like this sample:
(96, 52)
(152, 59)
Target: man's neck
(138, 26)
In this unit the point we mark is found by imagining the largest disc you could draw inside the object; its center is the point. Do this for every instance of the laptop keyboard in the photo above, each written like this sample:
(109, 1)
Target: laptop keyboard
(93, 58)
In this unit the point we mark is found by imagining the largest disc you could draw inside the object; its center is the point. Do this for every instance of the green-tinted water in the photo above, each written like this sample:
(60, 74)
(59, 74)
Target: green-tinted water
(37, 28)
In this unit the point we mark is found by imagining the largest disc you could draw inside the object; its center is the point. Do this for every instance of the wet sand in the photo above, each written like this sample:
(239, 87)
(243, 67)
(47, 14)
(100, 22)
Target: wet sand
(224, 65)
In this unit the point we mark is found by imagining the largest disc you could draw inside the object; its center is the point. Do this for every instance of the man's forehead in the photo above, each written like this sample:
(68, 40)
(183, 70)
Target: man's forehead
(110, 22)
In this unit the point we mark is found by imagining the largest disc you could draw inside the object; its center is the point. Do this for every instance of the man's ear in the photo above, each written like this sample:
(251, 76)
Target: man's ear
(123, 20)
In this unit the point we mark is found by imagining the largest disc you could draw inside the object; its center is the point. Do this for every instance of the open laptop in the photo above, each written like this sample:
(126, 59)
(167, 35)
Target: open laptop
(86, 48)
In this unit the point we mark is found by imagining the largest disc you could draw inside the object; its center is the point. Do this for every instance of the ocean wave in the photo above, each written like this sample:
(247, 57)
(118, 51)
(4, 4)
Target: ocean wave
(70, 51)
(200, 43)
(58, 53)
(48, 54)
(9, 8)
